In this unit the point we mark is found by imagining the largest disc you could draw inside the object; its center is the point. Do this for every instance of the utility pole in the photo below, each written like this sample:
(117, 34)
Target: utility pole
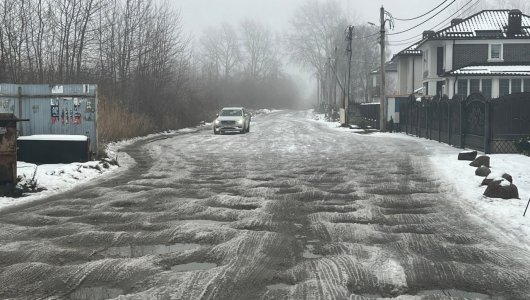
(349, 49)
(330, 85)
(334, 69)
(382, 70)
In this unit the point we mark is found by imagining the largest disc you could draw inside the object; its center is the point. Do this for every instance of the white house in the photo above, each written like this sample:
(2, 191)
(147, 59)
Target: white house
(409, 70)
(488, 52)
(391, 79)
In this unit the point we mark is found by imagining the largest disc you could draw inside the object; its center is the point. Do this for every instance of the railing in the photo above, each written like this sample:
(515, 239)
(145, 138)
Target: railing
(474, 122)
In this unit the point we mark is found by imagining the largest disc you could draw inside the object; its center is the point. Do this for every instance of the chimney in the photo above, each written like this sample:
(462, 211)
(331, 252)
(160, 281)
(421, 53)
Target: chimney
(428, 34)
(456, 21)
(514, 22)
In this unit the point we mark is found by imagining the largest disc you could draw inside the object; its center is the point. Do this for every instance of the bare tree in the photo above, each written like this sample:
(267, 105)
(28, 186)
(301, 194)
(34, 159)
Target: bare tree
(260, 50)
(222, 50)
(317, 29)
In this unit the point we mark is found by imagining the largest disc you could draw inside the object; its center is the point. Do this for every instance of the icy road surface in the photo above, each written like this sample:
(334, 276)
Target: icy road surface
(293, 209)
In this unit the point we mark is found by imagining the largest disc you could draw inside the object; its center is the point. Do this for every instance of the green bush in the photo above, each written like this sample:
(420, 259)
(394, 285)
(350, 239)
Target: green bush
(390, 125)
(523, 145)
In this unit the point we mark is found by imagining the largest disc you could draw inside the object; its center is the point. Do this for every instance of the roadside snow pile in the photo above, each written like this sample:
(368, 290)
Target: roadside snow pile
(54, 177)
(44, 180)
(41, 181)
(336, 125)
(264, 111)
(505, 215)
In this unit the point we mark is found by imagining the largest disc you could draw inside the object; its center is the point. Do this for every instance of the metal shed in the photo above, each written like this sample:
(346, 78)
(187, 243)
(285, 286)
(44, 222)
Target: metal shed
(69, 109)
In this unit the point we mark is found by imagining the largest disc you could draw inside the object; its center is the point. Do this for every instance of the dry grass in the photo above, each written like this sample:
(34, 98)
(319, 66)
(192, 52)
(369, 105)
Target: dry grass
(116, 123)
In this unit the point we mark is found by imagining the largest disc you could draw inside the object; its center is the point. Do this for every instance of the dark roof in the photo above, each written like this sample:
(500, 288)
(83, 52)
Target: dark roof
(409, 51)
(492, 69)
(390, 66)
(486, 24)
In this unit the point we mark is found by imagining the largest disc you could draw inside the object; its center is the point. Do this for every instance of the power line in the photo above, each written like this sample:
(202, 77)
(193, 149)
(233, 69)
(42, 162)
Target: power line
(407, 41)
(416, 26)
(420, 36)
(430, 11)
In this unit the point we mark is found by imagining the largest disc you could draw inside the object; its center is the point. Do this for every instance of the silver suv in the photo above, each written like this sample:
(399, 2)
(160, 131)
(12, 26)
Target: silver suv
(232, 119)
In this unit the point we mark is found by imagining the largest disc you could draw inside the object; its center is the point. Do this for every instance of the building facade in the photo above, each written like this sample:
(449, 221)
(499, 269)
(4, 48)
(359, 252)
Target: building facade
(488, 52)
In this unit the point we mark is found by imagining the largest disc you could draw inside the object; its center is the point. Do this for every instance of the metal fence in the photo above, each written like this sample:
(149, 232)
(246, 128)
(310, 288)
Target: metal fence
(370, 112)
(475, 122)
(53, 109)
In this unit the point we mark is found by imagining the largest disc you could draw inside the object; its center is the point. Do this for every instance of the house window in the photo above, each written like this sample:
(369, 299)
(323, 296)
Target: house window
(486, 88)
(495, 52)
(526, 83)
(504, 87)
(474, 86)
(462, 87)
(516, 86)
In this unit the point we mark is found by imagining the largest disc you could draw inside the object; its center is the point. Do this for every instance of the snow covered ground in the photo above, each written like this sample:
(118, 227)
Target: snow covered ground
(55, 178)
(506, 216)
(304, 210)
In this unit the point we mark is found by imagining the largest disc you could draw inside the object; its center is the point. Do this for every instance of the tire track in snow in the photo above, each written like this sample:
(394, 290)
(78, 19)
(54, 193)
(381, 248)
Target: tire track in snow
(291, 210)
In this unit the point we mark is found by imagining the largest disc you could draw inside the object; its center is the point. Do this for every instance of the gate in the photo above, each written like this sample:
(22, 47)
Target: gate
(476, 116)
(491, 126)
(510, 121)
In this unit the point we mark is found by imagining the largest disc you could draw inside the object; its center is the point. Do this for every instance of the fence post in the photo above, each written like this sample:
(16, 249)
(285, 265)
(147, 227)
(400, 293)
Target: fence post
(487, 127)
(418, 109)
(406, 115)
(439, 114)
(462, 139)
(449, 122)
(428, 120)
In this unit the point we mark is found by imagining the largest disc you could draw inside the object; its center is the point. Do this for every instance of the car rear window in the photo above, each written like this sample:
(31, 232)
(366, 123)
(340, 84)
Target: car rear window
(231, 113)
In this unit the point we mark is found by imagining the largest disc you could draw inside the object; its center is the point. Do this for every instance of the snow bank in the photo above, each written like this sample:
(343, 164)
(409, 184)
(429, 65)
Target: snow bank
(57, 178)
(503, 217)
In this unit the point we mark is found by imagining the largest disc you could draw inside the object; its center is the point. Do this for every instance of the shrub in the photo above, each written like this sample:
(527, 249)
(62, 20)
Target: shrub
(523, 145)
(390, 125)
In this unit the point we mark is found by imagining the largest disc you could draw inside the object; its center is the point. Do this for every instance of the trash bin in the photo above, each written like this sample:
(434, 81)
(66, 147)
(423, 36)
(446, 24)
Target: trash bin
(8, 148)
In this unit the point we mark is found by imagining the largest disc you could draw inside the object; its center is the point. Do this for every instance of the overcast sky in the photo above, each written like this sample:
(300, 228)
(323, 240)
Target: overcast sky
(200, 14)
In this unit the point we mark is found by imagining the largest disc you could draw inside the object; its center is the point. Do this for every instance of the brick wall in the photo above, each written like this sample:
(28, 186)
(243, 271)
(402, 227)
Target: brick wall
(516, 52)
(464, 55)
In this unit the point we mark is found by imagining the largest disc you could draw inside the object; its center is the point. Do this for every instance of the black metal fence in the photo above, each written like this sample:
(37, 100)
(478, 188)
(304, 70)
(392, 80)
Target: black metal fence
(475, 122)
(370, 112)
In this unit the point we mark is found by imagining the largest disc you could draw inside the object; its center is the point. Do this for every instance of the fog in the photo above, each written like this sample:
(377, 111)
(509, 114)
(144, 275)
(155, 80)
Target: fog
(163, 64)
(199, 15)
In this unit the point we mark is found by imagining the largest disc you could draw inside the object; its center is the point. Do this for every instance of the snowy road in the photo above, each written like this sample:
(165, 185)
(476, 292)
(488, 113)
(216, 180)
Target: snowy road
(293, 209)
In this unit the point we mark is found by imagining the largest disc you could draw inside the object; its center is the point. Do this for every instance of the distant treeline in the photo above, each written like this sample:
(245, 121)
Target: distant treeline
(152, 76)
